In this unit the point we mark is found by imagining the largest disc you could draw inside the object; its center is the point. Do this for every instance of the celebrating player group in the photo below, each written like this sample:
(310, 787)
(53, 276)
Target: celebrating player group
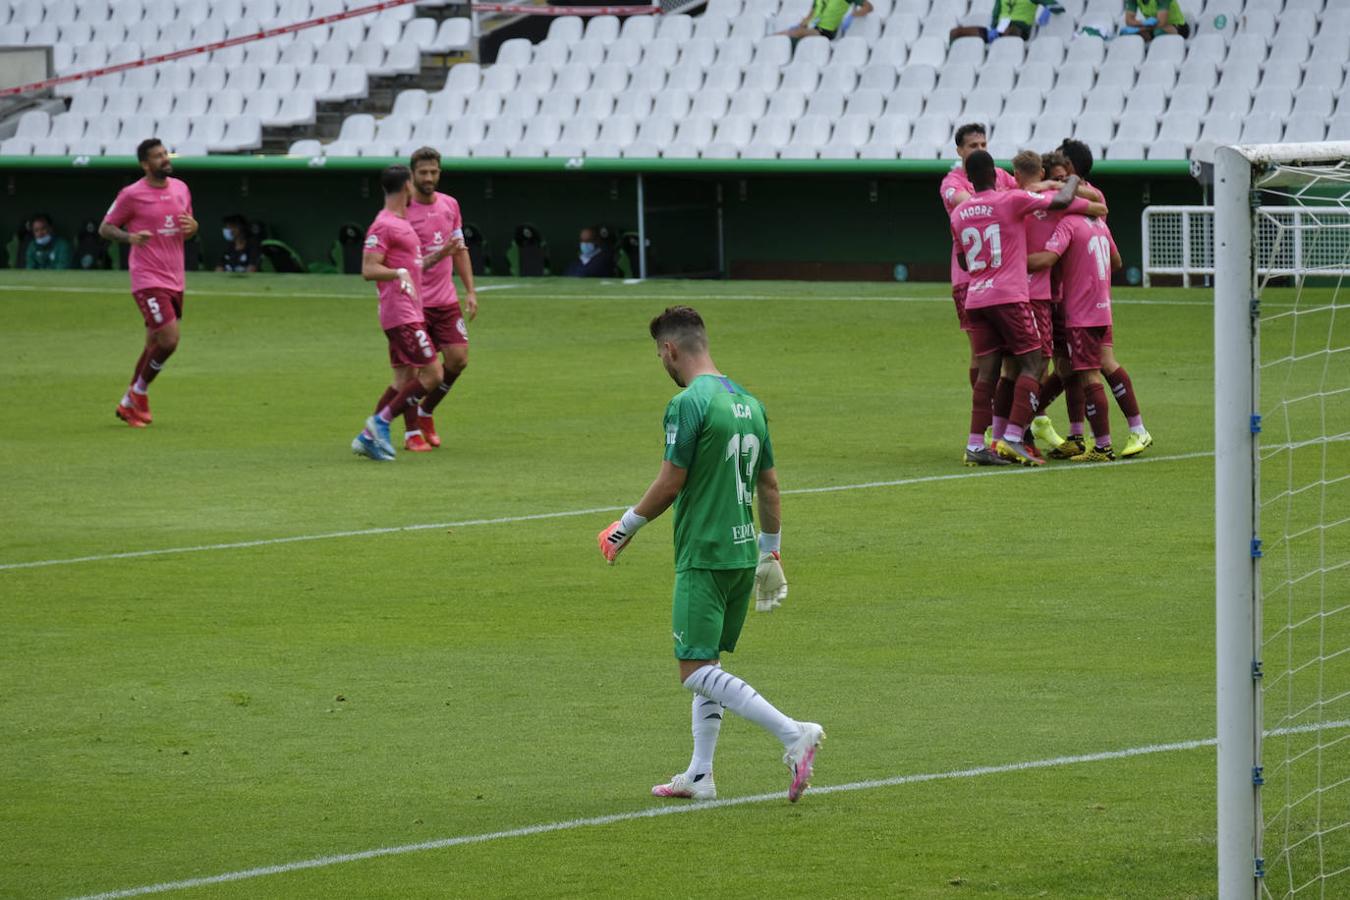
(1032, 258)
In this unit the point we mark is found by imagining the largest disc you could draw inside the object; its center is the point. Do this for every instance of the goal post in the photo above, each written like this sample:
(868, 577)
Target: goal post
(1282, 212)
(1235, 525)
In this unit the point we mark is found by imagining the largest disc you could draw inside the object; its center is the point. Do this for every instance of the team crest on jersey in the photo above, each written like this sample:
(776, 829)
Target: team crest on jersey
(437, 238)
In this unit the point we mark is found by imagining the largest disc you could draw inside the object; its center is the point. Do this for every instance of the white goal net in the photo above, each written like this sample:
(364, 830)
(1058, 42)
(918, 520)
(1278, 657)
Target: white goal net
(1291, 817)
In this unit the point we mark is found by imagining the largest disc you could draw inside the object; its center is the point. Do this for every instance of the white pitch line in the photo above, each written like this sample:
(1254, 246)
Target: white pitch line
(207, 292)
(674, 295)
(658, 811)
(564, 514)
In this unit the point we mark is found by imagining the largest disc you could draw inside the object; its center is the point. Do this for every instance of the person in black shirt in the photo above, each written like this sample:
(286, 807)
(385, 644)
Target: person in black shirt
(240, 254)
(593, 260)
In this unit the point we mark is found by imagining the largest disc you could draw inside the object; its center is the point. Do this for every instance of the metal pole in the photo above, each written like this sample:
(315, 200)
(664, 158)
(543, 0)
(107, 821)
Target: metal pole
(642, 228)
(1236, 547)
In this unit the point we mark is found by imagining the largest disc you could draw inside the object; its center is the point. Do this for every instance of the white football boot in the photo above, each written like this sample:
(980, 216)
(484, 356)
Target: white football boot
(800, 756)
(699, 788)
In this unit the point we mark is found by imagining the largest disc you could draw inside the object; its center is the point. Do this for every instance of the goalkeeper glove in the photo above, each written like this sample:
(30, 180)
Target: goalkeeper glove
(614, 538)
(770, 584)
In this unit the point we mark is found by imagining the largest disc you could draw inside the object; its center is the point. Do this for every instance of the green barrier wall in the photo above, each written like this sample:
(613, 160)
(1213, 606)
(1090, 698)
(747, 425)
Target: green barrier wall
(771, 218)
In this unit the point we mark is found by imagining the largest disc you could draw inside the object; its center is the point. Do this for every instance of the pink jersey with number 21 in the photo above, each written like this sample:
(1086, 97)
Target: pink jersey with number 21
(955, 183)
(990, 231)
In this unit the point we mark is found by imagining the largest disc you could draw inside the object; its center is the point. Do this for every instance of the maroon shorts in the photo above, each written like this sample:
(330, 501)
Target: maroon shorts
(446, 326)
(1041, 309)
(959, 298)
(159, 307)
(1009, 327)
(1060, 329)
(409, 345)
(1085, 347)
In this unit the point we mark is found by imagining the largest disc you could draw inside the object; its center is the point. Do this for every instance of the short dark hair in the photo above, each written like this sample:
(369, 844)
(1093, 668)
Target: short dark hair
(1079, 156)
(966, 130)
(394, 178)
(235, 219)
(682, 325)
(423, 154)
(40, 217)
(980, 170)
(144, 147)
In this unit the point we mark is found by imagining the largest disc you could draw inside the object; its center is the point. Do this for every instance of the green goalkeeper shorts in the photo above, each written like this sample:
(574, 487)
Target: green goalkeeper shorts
(710, 607)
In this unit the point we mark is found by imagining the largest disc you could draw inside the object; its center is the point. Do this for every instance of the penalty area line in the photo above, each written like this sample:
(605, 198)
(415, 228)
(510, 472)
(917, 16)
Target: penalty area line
(320, 862)
(562, 514)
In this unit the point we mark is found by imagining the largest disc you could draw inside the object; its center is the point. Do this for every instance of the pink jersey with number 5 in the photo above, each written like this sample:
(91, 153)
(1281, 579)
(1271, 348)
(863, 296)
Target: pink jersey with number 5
(1084, 246)
(989, 229)
(436, 223)
(158, 263)
(954, 184)
(394, 237)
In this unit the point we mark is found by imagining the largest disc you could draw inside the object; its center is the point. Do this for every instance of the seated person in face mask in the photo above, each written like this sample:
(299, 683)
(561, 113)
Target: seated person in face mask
(47, 250)
(593, 259)
(241, 254)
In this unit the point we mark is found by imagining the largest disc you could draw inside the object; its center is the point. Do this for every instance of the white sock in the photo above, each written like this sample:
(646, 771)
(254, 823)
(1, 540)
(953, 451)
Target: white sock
(126, 398)
(718, 684)
(1138, 429)
(707, 725)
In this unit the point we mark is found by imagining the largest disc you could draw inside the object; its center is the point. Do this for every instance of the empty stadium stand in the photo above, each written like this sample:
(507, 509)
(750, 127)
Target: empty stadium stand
(717, 85)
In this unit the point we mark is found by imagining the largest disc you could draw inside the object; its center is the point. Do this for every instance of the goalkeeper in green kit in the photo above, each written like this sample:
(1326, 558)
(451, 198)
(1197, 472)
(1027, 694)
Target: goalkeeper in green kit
(718, 462)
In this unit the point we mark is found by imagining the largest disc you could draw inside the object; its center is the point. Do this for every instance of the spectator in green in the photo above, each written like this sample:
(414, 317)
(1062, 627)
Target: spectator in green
(1010, 18)
(47, 250)
(826, 18)
(1150, 18)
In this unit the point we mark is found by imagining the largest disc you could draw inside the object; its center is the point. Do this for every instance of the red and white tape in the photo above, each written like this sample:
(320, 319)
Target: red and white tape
(313, 23)
(206, 48)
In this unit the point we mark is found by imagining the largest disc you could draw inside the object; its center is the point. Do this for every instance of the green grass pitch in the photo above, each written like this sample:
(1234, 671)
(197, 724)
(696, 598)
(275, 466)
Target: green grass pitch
(191, 714)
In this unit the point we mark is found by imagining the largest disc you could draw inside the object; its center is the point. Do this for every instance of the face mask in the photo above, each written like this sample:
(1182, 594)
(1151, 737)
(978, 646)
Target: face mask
(587, 248)
(43, 241)
(229, 233)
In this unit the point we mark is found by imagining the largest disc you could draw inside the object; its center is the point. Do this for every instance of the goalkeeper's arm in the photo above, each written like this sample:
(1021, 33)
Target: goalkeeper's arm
(660, 494)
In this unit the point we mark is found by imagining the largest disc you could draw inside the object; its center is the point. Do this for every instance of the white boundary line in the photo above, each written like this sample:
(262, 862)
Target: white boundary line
(658, 811)
(566, 514)
(674, 295)
(207, 292)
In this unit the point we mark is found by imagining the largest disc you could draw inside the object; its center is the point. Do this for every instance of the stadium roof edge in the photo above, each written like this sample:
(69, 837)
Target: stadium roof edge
(558, 164)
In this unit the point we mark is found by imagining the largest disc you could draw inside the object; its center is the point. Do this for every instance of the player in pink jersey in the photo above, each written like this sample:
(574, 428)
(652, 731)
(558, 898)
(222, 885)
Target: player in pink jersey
(993, 240)
(1060, 381)
(393, 259)
(154, 216)
(1078, 155)
(955, 190)
(1087, 254)
(1029, 169)
(440, 227)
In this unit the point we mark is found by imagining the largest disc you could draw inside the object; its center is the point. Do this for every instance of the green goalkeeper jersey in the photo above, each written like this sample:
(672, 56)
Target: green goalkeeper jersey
(716, 431)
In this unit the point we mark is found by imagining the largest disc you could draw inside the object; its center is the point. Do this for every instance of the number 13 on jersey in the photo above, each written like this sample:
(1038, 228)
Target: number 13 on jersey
(743, 454)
